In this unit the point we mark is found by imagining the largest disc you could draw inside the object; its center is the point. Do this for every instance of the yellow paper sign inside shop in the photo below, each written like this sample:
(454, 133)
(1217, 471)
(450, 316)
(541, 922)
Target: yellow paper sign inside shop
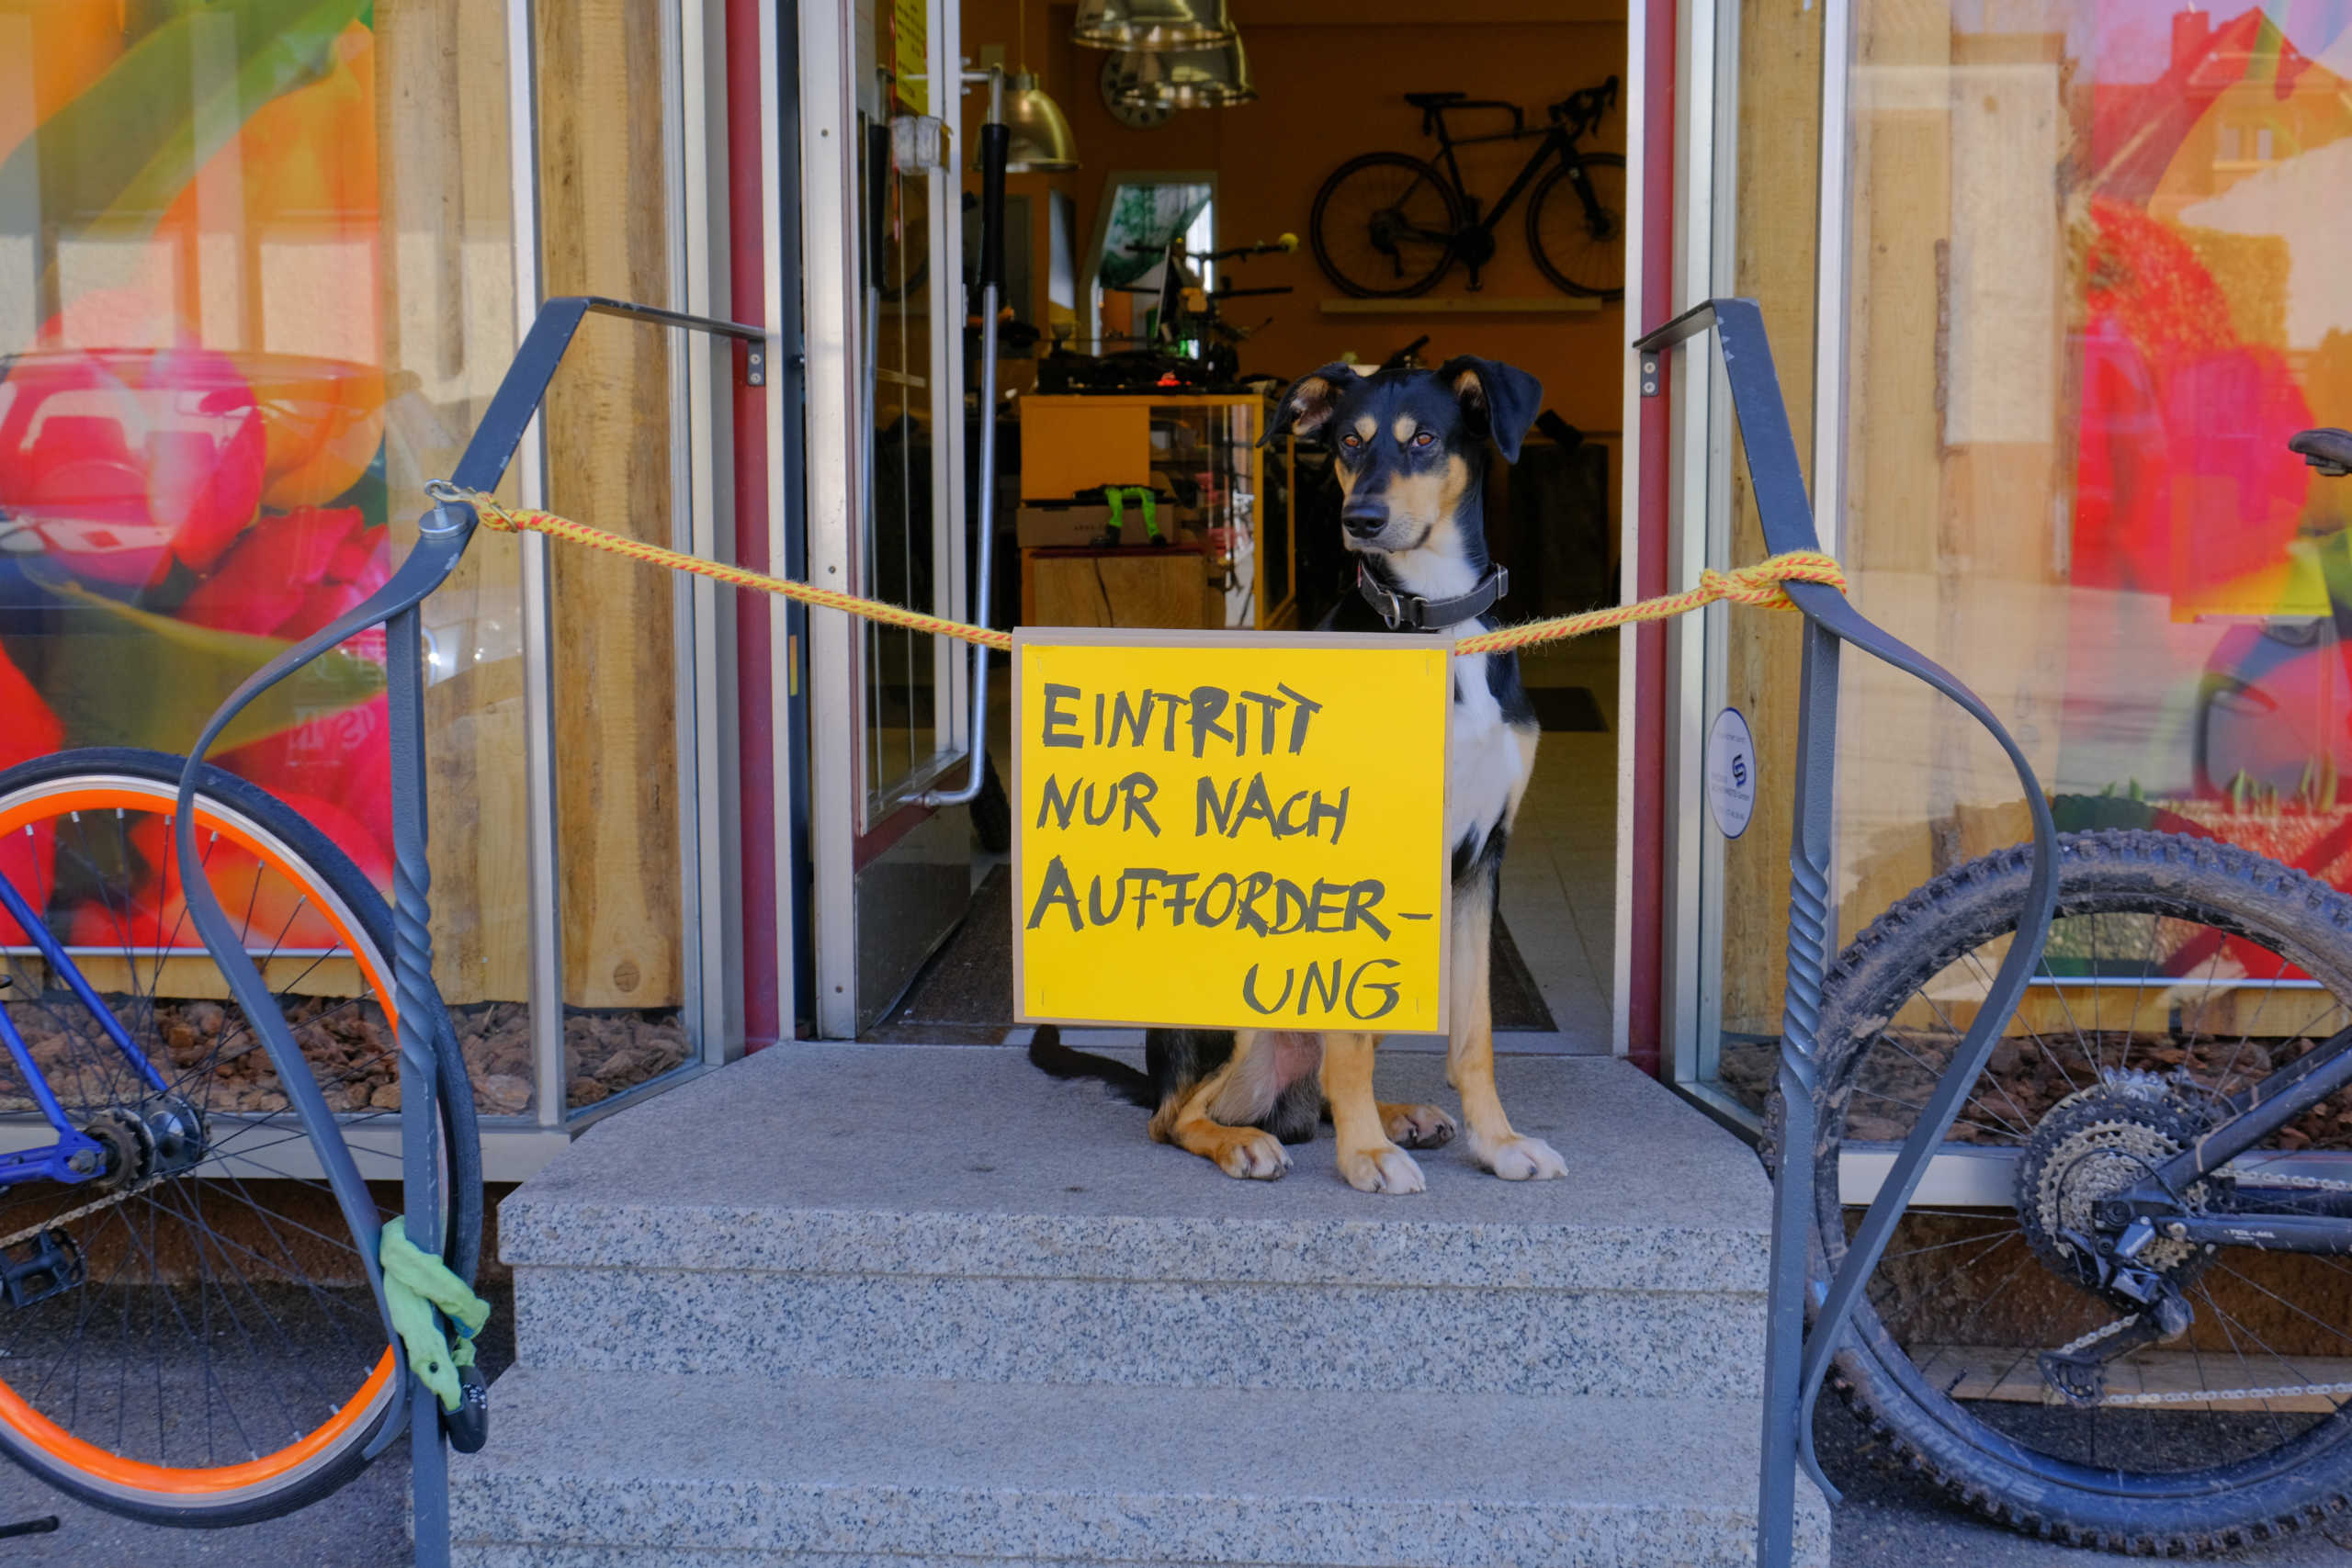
(1222, 834)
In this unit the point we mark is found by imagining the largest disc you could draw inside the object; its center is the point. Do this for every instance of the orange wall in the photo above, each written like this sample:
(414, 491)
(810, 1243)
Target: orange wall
(1329, 87)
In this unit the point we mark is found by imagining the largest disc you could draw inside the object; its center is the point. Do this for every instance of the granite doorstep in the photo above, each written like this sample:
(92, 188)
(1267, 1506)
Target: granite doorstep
(1062, 1475)
(1392, 1249)
(893, 1524)
(977, 1133)
(1436, 1340)
(535, 1554)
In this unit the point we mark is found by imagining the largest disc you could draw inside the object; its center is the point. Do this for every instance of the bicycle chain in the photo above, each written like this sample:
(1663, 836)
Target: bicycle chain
(33, 1233)
(2205, 1396)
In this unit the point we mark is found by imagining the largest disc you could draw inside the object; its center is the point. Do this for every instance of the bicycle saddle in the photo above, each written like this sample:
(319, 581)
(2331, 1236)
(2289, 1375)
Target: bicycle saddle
(1433, 101)
(2329, 451)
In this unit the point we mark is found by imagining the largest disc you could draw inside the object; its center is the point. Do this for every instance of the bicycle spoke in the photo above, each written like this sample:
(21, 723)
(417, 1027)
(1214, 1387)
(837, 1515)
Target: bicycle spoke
(224, 1315)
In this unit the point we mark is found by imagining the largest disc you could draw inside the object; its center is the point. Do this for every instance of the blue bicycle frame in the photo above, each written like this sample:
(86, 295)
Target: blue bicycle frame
(75, 1156)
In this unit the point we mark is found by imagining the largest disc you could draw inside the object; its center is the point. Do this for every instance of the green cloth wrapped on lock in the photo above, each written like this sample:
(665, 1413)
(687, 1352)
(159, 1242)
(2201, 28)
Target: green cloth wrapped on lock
(415, 1282)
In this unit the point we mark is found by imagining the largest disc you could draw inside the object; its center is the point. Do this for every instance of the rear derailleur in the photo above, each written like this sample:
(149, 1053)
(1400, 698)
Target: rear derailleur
(2078, 1372)
(2091, 1150)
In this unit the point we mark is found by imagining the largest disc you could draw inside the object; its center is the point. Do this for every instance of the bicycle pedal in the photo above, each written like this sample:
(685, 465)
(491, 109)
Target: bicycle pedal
(53, 1267)
(468, 1424)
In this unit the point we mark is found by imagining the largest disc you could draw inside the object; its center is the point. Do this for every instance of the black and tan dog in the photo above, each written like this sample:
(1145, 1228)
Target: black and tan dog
(1408, 449)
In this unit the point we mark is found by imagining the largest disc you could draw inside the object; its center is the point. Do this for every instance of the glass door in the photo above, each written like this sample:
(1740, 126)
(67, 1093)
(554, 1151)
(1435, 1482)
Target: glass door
(886, 461)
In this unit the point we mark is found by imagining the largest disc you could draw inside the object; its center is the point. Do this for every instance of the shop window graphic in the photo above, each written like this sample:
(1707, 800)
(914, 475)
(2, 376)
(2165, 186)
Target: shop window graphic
(2215, 321)
(193, 408)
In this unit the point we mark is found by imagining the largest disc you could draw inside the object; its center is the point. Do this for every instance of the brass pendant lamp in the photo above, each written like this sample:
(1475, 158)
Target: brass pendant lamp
(1042, 143)
(1212, 78)
(1151, 24)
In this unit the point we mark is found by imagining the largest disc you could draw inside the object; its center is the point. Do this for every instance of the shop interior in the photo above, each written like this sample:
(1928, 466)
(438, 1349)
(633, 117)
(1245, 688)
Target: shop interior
(1192, 222)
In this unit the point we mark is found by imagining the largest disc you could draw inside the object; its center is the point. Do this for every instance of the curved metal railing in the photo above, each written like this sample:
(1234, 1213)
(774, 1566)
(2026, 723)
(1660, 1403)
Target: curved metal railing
(1796, 1358)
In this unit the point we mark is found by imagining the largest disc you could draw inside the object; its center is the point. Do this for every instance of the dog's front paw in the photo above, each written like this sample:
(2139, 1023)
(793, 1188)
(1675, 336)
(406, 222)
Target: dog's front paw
(1416, 1126)
(1252, 1155)
(1383, 1168)
(1524, 1159)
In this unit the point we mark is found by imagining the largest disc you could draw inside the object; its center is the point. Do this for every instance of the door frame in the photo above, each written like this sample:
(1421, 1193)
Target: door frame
(842, 841)
(1671, 916)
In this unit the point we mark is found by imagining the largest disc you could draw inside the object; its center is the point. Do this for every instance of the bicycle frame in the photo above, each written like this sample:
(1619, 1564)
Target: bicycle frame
(75, 1156)
(1556, 139)
(2255, 1112)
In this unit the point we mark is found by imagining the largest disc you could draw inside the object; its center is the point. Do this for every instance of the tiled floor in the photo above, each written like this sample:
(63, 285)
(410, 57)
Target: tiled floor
(1560, 876)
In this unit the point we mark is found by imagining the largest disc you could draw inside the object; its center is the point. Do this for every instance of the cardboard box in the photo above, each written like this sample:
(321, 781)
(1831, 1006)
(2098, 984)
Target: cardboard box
(1042, 526)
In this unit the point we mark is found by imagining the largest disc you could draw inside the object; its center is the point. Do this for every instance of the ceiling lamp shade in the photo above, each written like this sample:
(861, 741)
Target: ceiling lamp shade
(1212, 78)
(1151, 24)
(1042, 143)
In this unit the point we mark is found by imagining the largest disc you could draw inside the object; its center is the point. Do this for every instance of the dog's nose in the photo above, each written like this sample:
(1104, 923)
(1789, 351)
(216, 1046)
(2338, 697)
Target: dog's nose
(1363, 519)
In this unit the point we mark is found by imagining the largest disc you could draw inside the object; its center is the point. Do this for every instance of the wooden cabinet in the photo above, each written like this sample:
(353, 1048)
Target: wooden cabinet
(1169, 586)
(1202, 448)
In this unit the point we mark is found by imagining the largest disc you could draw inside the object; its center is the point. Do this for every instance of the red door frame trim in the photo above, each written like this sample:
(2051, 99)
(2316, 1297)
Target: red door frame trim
(755, 694)
(1646, 972)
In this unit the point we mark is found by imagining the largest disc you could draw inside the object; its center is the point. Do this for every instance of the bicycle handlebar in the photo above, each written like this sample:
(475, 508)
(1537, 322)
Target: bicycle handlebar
(2329, 451)
(1585, 106)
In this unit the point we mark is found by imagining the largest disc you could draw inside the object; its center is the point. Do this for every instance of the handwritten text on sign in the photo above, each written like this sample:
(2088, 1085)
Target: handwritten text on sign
(1230, 835)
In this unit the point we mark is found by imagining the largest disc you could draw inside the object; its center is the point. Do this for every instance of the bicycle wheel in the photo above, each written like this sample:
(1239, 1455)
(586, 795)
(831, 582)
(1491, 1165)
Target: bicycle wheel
(204, 1349)
(1581, 249)
(2179, 970)
(1383, 226)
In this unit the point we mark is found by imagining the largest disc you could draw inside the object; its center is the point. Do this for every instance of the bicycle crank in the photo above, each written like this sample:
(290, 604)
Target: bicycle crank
(137, 1150)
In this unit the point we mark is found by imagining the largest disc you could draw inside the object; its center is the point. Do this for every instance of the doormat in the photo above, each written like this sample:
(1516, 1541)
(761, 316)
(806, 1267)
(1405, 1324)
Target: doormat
(964, 994)
(1567, 708)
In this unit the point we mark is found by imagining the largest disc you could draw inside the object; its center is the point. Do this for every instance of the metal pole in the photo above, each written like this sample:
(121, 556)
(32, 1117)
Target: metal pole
(1810, 839)
(996, 141)
(412, 982)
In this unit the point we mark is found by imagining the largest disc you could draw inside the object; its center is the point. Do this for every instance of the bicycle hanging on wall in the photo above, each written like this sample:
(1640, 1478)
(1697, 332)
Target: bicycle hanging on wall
(1389, 225)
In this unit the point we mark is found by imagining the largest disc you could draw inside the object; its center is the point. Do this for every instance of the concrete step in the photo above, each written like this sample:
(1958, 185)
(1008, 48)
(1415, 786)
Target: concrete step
(627, 1470)
(896, 1212)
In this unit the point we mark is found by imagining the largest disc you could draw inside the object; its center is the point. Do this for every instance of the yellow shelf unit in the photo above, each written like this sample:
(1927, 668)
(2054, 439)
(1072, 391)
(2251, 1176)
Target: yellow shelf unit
(1076, 442)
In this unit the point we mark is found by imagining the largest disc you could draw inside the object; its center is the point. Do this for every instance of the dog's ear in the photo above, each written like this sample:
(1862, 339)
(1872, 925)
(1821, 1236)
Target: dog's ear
(1501, 400)
(1305, 409)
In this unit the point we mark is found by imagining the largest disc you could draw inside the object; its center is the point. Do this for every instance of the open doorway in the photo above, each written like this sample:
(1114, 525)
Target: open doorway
(1164, 253)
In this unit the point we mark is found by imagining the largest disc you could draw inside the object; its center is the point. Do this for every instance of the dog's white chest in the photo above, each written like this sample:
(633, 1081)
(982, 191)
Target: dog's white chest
(1484, 758)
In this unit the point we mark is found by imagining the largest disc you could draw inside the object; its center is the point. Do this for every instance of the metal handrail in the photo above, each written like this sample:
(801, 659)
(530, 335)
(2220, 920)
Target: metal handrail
(1795, 1361)
(443, 535)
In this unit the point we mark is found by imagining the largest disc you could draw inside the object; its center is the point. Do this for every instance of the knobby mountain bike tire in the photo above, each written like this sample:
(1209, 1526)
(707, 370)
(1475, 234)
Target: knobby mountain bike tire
(1576, 253)
(221, 1359)
(1383, 226)
(2179, 970)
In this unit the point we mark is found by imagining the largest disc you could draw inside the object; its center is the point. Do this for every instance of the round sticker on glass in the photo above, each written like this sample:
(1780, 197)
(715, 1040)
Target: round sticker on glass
(1730, 774)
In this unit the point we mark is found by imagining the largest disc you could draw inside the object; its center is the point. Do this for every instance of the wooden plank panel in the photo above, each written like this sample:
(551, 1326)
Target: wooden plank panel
(601, 199)
(449, 328)
(1779, 130)
(1120, 587)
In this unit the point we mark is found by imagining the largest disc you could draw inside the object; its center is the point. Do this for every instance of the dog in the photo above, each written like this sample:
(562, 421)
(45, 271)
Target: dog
(1409, 449)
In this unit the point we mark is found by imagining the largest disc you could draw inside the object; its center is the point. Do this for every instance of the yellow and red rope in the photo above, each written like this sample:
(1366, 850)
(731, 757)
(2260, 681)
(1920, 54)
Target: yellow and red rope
(1762, 585)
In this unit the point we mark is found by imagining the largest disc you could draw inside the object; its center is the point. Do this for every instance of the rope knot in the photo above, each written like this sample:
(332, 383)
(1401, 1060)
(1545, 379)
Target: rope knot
(1744, 587)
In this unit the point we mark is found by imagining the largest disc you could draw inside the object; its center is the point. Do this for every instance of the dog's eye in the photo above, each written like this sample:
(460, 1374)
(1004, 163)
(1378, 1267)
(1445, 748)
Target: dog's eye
(1423, 439)
(1350, 441)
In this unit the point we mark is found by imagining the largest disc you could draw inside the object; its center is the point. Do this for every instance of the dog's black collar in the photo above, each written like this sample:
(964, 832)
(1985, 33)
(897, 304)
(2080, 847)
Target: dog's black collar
(1427, 615)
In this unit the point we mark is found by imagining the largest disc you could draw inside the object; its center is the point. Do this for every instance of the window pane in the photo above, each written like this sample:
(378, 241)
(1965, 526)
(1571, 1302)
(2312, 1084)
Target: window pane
(243, 334)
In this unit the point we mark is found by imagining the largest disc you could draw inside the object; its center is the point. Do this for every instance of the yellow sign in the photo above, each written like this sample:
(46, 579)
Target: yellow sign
(911, 34)
(1227, 834)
